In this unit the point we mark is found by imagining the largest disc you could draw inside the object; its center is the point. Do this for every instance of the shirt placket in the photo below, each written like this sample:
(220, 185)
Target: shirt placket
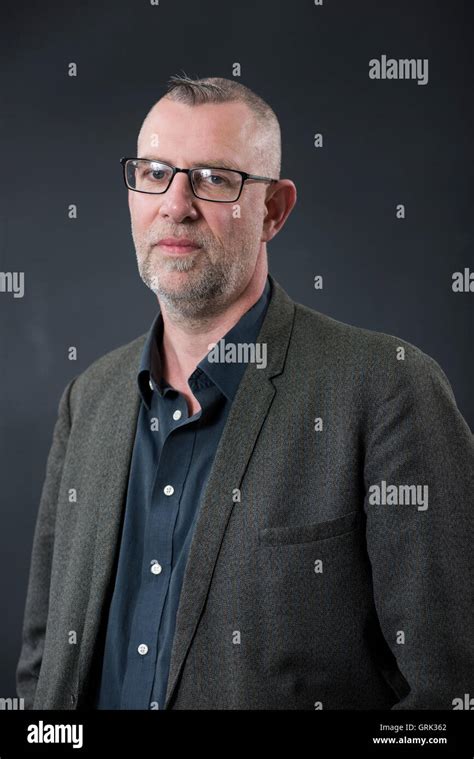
(176, 437)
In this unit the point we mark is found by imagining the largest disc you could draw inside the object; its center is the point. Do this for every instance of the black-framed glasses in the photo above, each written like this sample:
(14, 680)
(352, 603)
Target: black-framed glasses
(219, 185)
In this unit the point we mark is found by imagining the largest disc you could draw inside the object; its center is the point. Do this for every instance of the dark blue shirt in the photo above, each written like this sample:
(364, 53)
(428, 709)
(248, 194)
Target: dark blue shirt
(171, 461)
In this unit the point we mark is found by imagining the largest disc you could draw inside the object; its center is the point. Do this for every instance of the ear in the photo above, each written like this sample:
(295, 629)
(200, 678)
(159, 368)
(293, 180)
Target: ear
(279, 202)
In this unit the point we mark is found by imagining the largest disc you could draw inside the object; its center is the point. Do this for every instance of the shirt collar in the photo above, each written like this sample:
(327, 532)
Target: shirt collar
(226, 376)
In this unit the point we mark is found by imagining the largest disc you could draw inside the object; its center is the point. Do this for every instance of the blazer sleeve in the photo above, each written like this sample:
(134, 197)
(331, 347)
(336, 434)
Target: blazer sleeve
(422, 555)
(37, 599)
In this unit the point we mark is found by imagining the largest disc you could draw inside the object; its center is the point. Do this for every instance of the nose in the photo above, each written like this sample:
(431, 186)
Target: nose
(177, 202)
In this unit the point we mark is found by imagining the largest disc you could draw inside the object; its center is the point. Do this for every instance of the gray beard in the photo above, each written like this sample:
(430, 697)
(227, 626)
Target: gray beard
(203, 297)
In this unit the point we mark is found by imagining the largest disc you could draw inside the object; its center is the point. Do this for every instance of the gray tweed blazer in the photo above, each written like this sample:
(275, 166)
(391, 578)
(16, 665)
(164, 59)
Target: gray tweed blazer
(332, 561)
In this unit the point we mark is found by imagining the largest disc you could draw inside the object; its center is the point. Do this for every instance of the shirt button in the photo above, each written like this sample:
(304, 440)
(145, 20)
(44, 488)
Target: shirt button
(142, 649)
(168, 490)
(177, 414)
(151, 384)
(155, 567)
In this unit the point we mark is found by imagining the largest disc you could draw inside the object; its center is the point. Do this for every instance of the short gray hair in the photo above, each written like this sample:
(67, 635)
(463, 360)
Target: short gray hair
(183, 89)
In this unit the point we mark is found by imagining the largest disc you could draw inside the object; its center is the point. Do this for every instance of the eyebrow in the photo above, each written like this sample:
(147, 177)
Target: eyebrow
(213, 163)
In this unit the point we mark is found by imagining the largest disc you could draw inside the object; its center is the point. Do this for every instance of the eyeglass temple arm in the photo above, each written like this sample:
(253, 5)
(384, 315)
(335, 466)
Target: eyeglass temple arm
(259, 179)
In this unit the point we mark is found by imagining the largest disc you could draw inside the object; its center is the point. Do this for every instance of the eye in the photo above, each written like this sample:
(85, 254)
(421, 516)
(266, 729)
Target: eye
(216, 179)
(155, 173)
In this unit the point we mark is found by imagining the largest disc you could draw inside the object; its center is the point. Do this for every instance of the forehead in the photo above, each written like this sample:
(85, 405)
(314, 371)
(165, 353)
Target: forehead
(193, 133)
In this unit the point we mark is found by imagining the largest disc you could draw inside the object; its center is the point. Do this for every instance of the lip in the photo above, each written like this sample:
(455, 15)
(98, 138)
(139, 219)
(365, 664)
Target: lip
(177, 245)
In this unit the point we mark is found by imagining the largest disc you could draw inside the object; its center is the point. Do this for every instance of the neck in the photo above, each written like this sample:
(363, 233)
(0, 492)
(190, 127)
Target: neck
(185, 345)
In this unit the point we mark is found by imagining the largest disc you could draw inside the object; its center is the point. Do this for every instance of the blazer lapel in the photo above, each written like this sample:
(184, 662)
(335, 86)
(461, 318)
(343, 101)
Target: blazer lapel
(246, 416)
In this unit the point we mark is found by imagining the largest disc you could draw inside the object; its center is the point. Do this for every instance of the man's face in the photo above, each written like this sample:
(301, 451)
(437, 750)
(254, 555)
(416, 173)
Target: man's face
(229, 235)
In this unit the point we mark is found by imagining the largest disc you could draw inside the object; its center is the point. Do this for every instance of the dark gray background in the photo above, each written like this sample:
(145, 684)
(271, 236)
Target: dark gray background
(386, 142)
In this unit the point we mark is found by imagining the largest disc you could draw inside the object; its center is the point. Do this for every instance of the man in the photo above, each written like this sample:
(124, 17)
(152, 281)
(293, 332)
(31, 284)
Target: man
(253, 505)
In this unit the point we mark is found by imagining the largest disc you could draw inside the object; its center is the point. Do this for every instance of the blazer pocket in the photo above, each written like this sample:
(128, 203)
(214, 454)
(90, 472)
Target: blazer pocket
(306, 533)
